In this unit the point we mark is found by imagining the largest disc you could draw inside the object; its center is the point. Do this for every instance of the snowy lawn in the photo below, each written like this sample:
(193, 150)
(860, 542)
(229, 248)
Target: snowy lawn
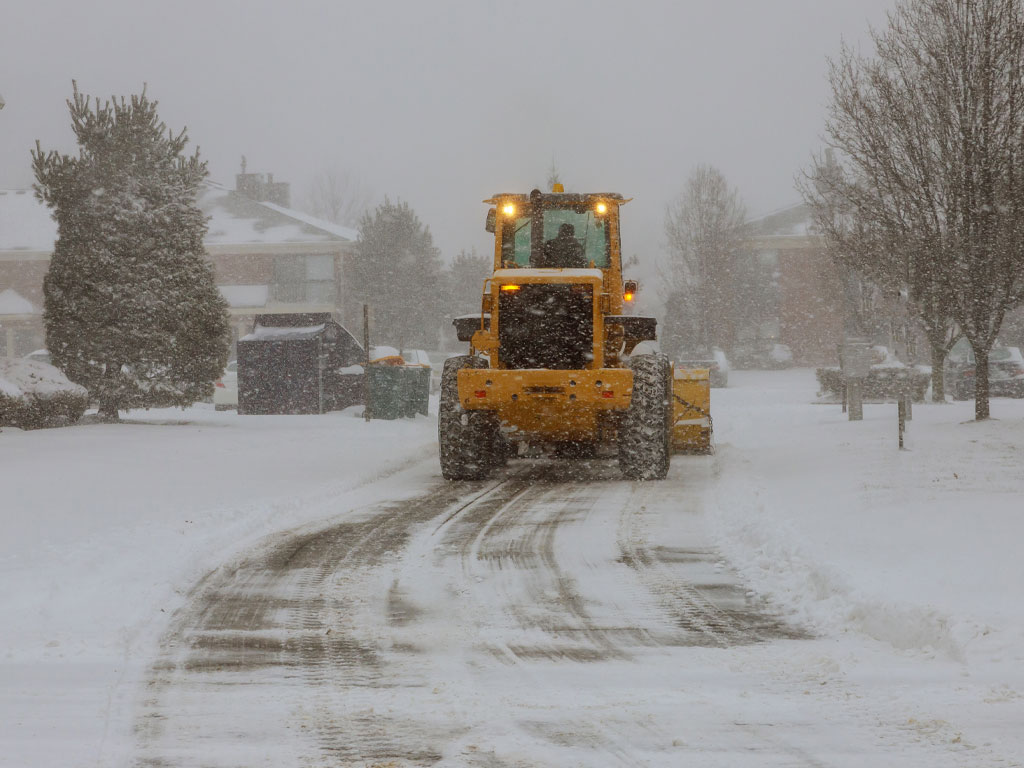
(915, 551)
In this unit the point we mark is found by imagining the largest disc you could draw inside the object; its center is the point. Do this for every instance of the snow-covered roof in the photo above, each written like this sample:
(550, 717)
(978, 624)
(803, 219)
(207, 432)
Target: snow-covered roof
(264, 332)
(791, 221)
(235, 219)
(13, 303)
(345, 233)
(25, 223)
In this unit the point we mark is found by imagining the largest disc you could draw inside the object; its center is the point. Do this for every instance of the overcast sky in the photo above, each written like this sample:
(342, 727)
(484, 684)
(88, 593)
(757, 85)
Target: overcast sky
(444, 103)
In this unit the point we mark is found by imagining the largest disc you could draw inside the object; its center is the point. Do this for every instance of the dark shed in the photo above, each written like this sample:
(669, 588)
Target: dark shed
(298, 363)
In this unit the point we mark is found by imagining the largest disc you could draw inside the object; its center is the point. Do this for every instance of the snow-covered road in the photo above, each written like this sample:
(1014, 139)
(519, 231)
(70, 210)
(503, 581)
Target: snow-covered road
(555, 615)
(480, 623)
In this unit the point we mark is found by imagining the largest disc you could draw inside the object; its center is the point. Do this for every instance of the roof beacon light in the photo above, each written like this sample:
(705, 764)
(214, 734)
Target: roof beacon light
(602, 208)
(508, 209)
(510, 287)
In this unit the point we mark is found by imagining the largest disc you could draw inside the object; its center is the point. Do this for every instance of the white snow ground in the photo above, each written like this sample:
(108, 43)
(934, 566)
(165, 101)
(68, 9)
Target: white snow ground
(905, 565)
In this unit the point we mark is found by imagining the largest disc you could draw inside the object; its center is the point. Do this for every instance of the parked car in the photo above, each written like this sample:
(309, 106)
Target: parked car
(225, 389)
(715, 361)
(762, 354)
(40, 356)
(1005, 372)
(954, 370)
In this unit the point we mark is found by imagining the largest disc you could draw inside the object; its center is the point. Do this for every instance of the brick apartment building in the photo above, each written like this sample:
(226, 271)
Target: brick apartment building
(805, 297)
(267, 258)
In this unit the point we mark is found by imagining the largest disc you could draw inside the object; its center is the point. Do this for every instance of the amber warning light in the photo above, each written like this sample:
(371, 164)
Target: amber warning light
(627, 296)
(510, 287)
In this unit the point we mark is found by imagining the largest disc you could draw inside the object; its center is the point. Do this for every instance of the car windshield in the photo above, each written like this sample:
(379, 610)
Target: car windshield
(590, 231)
(1002, 353)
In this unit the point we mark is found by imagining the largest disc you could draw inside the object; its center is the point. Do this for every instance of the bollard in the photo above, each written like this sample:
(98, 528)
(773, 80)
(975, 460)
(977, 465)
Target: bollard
(901, 411)
(367, 415)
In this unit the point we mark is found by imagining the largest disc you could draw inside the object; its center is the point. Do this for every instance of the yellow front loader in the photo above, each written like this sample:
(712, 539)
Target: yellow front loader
(556, 358)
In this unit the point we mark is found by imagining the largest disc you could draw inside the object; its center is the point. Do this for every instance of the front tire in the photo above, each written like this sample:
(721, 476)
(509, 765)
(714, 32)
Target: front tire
(466, 439)
(644, 429)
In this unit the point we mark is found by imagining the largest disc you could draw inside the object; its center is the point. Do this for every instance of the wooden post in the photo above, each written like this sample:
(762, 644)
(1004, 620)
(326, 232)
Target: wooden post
(855, 396)
(366, 363)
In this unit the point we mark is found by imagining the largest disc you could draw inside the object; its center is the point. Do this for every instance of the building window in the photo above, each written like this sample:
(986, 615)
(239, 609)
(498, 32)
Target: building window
(320, 279)
(289, 279)
(304, 279)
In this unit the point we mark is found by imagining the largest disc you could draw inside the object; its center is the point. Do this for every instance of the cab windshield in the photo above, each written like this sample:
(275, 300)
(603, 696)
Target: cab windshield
(590, 231)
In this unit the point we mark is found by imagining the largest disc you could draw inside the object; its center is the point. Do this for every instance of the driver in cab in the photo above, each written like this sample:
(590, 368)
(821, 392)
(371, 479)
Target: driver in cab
(563, 251)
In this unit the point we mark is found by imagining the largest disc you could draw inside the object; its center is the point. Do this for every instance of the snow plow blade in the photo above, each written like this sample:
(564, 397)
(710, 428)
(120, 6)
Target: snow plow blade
(691, 410)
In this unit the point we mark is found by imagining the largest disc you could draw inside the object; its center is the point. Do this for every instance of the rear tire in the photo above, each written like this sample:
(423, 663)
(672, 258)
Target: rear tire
(644, 430)
(467, 440)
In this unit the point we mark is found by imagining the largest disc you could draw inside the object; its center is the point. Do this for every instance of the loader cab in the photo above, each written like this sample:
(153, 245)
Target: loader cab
(525, 226)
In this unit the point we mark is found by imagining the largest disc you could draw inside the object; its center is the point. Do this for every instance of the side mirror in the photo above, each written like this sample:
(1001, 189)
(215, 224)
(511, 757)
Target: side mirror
(629, 290)
(492, 216)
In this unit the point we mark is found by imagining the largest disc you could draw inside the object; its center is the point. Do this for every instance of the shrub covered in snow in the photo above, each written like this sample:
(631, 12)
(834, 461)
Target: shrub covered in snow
(886, 378)
(34, 394)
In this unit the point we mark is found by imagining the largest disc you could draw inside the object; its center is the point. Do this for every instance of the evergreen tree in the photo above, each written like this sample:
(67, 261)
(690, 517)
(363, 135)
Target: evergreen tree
(466, 277)
(130, 305)
(463, 287)
(397, 271)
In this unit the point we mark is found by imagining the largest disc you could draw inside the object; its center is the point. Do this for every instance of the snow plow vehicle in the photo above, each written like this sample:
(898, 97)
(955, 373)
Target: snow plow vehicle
(555, 359)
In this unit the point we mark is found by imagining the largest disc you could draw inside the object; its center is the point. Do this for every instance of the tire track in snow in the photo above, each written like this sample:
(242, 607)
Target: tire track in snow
(512, 547)
(707, 602)
(272, 628)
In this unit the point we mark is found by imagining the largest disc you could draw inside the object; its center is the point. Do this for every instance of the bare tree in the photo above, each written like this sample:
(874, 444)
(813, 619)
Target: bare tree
(930, 192)
(877, 250)
(703, 227)
(339, 195)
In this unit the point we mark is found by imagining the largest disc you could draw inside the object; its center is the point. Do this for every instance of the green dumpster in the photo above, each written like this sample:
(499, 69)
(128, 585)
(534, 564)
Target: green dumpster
(417, 390)
(386, 390)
